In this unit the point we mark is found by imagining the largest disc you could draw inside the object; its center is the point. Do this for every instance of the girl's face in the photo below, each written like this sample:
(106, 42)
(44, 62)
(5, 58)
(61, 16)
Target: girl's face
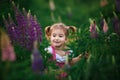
(58, 38)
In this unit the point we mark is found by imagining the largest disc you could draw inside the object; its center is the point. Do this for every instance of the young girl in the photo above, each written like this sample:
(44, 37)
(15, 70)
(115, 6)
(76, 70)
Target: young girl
(57, 35)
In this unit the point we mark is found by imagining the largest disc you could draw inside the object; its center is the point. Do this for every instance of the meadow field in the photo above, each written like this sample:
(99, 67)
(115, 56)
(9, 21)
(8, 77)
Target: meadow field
(103, 46)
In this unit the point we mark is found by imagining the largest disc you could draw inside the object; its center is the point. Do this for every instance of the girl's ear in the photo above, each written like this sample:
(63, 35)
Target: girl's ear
(47, 32)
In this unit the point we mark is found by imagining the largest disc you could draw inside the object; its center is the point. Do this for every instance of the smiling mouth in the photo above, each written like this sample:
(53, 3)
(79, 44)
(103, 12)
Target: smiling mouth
(56, 42)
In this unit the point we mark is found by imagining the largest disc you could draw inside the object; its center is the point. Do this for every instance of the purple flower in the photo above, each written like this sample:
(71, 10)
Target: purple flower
(37, 61)
(27, 30)
(38, 29)
(116, 24)
(34, 28)
(101, 22)
(21, 25)
(117, 5)
(24, 12)
(5, 22)
(93, 30)
(12, 29)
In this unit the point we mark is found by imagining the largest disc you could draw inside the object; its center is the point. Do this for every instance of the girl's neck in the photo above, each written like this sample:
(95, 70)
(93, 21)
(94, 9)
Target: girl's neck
(59, 48)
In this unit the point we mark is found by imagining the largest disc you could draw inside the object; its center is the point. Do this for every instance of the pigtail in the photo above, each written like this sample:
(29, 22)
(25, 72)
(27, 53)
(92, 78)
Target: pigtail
(73, 28)
(47, 32)
(71, 34)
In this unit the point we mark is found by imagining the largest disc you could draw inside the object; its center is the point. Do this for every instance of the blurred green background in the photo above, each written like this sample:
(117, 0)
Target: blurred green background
(105, 51)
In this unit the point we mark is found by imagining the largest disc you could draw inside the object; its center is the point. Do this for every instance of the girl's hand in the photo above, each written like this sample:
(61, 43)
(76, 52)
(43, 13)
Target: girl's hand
(86, 55)
(75, 59)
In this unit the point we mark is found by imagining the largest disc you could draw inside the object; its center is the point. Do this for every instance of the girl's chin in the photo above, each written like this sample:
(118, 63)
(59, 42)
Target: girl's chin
(57, 46)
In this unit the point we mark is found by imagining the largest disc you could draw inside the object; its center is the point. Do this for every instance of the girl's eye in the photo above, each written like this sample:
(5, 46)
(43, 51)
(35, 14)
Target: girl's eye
(60, 35)
(54, 35)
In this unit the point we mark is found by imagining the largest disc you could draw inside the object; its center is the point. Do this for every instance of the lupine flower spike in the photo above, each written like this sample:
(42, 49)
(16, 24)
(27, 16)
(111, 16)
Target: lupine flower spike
(52, 5)
(52, 8)
(12, 29)
(21, 25)
(117, 5)
(7, 49)
(27, 29)
(105, 26)
(93, 29)
(37, 61)
(103, 3)
(101, 21)
(116, 24)
(69, 12)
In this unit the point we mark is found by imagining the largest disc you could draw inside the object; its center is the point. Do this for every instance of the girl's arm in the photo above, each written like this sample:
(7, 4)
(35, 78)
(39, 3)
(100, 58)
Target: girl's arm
(76, 59)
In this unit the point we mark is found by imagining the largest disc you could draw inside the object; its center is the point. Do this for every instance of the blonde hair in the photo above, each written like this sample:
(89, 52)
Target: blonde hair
(62, 26)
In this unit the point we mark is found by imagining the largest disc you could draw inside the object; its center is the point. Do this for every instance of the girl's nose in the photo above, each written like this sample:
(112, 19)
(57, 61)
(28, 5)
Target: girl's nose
(56, 38)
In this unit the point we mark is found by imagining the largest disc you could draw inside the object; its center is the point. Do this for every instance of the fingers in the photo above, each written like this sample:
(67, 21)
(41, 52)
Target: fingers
(86, 54)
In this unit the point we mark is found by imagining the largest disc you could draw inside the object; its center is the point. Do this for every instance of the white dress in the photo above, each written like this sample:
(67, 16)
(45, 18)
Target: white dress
(58, 57)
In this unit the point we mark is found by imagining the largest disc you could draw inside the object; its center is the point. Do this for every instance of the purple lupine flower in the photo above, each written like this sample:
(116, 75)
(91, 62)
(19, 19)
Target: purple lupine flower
(101, 22)
(13, 29)
(38, 29)
(24, 12)
(30, 31)
(21, 22)
(117, 5)
(37, 61)
(93, 30)
(5, 22)
(27, 30)
(33, 28)
(7, 26)
(10, 27)
(116, 24)
(29, 43)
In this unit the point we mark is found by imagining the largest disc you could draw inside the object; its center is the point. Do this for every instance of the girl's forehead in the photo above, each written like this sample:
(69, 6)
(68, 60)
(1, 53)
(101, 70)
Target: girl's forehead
(58, 31)
(58, 27)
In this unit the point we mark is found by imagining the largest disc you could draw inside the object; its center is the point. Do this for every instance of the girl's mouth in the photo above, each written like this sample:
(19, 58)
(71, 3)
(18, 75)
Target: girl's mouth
(57, 42)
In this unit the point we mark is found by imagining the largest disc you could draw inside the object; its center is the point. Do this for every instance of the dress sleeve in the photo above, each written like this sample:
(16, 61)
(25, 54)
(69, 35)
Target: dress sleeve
(70, 52)
(48, 49)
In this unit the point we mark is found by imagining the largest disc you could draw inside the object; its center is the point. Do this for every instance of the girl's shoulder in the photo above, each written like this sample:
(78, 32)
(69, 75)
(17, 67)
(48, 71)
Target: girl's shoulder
(48, 49)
